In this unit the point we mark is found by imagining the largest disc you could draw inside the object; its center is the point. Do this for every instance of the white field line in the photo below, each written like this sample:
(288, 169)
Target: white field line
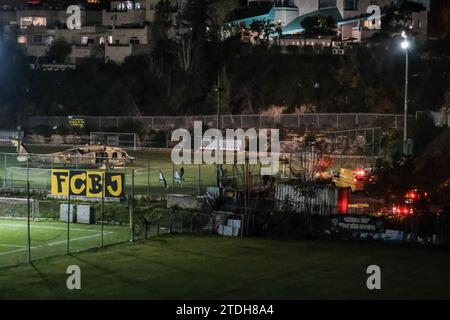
(11, 245)
(42, 227)
(54, 243)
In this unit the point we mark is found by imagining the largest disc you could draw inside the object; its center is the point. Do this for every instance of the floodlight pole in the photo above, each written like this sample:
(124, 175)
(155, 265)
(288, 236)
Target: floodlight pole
(405, 121)
(405, 46)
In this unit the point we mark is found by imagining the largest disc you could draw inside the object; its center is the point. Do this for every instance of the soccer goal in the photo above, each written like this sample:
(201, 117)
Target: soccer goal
(115, 139)
(17, 208)
(17, 177)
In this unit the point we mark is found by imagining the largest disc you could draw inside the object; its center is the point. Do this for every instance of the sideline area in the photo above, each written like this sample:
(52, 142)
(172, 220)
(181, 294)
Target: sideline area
(211, 267)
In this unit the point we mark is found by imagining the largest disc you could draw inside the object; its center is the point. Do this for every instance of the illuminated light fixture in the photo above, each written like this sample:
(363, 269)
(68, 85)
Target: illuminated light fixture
(405, 42)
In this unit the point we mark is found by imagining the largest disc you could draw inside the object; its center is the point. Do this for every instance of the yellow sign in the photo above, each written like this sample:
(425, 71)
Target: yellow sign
(76, 122)
(88, 183)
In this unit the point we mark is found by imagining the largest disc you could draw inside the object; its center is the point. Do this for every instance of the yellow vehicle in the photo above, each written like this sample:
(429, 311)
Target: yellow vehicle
(352, 179)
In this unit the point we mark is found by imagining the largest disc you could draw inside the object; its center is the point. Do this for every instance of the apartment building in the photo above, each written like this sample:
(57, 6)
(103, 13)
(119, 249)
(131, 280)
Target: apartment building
(111, 34)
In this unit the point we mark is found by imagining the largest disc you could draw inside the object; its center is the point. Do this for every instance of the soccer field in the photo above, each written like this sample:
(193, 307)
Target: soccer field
(212, 267)
(49, 238)
(147, 168)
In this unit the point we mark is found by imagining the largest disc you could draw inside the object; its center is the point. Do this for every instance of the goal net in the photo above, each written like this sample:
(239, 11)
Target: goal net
(115, 139)
(17, 208)
(17, 177)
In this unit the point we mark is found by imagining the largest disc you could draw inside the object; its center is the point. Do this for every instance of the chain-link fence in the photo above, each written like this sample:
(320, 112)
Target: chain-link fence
(36, 223)
(151, 174)
(333, 120)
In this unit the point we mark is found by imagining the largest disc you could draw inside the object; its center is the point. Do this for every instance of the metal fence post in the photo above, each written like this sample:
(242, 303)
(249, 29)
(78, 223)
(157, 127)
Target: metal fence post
(68, 223)
(198, 182)
(173, 177)
(148, 179)
(103, 208)
(131, 205)
(28, 222)
(4, 181)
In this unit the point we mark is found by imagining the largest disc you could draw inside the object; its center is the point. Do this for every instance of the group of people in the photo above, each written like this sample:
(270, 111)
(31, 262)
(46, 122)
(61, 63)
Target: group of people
(178, 176)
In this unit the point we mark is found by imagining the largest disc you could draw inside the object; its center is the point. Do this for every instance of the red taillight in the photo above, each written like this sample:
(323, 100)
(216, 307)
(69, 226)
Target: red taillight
(412, 195)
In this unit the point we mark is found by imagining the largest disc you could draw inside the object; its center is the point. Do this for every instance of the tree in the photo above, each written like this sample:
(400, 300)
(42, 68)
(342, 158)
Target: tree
(269, 28)
(257, 27)
(398, 17)
(319, 25)
(192, 51)
(59, 50)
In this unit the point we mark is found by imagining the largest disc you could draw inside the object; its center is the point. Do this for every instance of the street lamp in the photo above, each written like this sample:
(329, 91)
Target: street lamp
(405, 46)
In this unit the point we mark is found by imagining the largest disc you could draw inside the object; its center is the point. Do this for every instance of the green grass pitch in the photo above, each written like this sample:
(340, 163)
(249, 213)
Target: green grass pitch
(212, 267)
(49, 238)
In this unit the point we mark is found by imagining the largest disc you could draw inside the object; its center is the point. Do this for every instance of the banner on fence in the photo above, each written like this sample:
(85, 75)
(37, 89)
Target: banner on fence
(87, 183)
(76, 122)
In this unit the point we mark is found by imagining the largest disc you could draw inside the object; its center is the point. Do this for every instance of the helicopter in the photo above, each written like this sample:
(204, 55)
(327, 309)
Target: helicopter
(81, 156)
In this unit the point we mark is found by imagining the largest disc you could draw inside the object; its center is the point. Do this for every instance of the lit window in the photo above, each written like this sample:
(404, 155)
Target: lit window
(39, 21)
(32, 21)
(129, 5)
(22, 39)
(84, 40)
(138, 6)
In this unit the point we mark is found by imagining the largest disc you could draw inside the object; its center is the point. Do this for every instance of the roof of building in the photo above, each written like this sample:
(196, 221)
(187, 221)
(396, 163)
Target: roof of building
(295, 25)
